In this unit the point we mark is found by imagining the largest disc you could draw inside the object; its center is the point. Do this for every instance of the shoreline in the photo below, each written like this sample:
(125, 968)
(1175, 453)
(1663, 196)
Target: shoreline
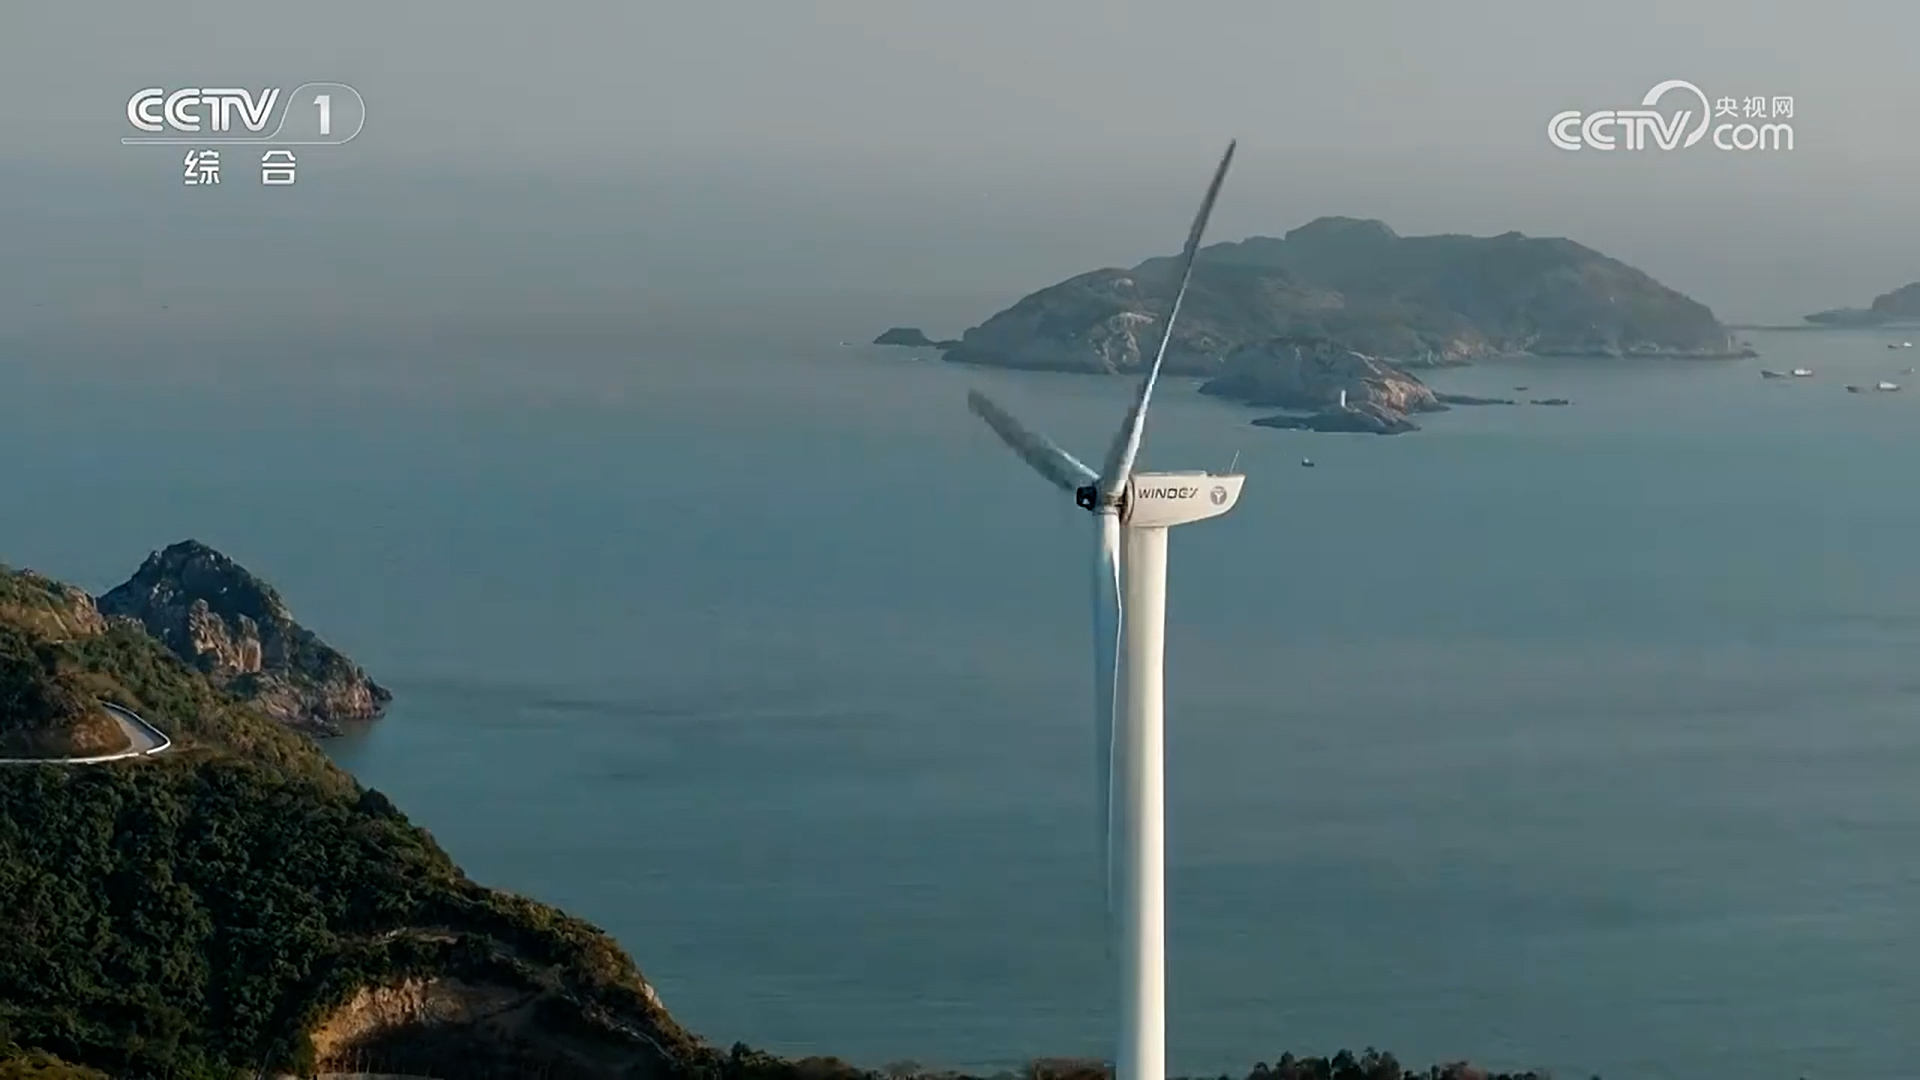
(1180, 371)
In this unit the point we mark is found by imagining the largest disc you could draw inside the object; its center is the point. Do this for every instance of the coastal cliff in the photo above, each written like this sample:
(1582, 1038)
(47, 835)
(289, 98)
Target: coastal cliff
(1407, 301)
(234, 628)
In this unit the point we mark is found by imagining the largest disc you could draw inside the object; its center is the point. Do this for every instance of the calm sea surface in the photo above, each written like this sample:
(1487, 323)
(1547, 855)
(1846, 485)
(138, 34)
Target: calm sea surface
(1585, 738)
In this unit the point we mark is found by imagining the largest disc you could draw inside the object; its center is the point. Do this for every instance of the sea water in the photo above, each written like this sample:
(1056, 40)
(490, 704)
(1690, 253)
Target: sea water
(1581, 738)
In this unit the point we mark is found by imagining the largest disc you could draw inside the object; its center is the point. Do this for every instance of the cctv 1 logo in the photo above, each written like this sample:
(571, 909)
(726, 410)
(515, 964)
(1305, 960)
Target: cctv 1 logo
(314, 114)
(1648, 128)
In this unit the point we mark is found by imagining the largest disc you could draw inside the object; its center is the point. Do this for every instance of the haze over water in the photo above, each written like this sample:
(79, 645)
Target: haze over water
(1580, 738)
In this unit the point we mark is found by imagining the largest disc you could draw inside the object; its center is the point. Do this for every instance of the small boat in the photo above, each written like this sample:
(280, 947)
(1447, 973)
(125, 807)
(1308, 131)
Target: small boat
(1900, 345)
(1773, 374)
(1306, 463)
(1885, 385)
(1801, 372)
(1906, 371)
(1519, 388)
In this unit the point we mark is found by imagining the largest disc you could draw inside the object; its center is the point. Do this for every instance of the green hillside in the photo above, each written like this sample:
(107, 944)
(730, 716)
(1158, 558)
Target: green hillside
(199, 913)
(238, 907)
(44, 711)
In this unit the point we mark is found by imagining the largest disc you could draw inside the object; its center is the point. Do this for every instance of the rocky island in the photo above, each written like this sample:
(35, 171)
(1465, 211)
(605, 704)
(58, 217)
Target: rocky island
(1324, 386)
(1896, 308)
(911, 336)
(234, 628)
(1409, 301)
(1345, 303)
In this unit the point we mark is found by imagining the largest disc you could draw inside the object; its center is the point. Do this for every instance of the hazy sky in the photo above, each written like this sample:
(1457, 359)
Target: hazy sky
(885, 160)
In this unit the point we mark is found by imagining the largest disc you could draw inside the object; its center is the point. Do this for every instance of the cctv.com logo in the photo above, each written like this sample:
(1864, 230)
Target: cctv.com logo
(1649, 128)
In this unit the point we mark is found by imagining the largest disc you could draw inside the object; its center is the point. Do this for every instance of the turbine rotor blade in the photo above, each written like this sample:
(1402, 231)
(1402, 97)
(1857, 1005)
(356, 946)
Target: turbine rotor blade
(1108, 615)
(1061, 468)
(1126, 443)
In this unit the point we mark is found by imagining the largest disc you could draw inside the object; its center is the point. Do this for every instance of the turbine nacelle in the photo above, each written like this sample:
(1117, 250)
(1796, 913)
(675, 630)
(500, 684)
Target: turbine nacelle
(1164, 499)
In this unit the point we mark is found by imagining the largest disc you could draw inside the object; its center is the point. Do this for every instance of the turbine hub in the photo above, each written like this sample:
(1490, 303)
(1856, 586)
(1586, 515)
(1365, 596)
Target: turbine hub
(1088, 498)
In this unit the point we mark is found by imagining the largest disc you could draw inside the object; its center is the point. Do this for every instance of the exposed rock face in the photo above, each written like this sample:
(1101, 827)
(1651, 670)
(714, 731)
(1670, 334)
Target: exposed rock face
(377, 1013)
(232, 626)
(452, 1026)
(1327, 387)
(53, 609)
(1106, 320)
(1311, 374)
(1413, 301)
(1902, 305)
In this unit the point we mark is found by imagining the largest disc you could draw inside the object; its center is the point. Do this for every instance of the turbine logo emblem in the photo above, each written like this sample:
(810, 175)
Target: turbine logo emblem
(1132, 512)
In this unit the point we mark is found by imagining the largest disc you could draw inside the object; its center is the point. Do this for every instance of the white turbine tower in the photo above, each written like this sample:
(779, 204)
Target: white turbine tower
(1132, 513)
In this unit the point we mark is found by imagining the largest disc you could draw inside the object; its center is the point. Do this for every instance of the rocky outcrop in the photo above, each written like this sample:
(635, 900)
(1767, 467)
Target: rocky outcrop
(52, 609)
(1305, 373)
(377, 1016)
(1364, 419)
(1411, 301)
(1325, 387)
(524, 1023)
(1902, 305)
(234, 628)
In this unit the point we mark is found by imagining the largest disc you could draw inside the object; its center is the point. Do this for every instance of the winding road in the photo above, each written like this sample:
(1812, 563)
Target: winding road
(143, 740)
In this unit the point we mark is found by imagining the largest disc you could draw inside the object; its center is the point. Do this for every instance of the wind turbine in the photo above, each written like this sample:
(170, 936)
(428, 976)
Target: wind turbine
(1132, 513)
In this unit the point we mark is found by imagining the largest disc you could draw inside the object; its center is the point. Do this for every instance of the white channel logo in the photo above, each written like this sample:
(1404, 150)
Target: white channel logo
(314, 114)
(1649, 128)
(154, 109)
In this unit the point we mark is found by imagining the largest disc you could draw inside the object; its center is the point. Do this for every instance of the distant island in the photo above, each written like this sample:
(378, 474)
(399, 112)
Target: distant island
(243, 908)
(912, 336)
(1409, 301)
(1323, 386)
(1901, 306)
(1359, 302)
